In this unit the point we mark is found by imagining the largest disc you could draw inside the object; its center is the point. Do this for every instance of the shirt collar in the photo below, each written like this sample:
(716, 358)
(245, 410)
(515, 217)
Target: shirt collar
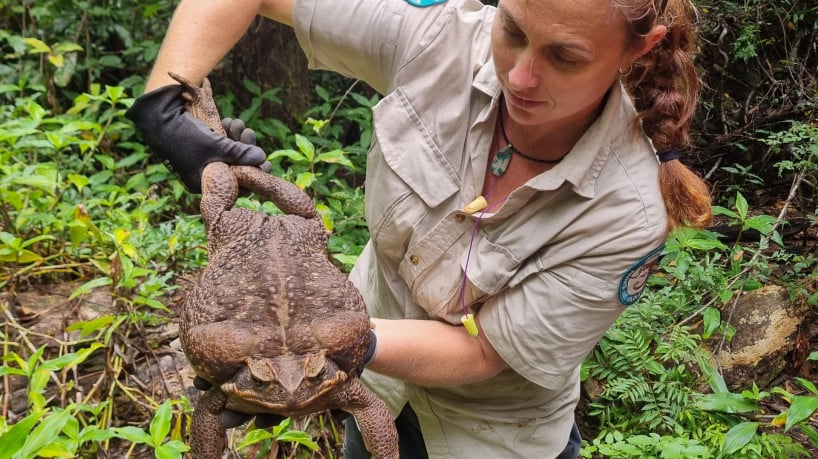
(582, 165)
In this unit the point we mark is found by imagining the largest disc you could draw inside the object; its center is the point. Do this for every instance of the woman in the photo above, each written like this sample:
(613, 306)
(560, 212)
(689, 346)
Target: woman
(513, 187)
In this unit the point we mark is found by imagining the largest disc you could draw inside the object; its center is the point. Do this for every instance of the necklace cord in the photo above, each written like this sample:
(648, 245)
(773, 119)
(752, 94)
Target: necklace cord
(517, 151)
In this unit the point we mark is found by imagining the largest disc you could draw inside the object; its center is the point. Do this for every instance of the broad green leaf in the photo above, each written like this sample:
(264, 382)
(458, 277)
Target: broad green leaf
(335, 156)
(739, 436)
(808, 384)
(305, 146)
(44, 434)
(36, 46)
(170, 450)
(133, 434)
(726, 402)
(22, 256)
(62, 447)
(296, 436)
(90, 285)
(802, 408)
(712, 321)
(718, 210)
(304, 180)
(67, 361)
(94, 433)
(160, 424)
(741, 206)
(87, 327)
(57, 60)
(255, 436)
(291, 154)
(41, 182)
(67, 47)
(14, 438)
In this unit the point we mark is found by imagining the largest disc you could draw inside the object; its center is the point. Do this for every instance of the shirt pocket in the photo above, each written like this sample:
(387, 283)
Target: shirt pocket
(407, 174)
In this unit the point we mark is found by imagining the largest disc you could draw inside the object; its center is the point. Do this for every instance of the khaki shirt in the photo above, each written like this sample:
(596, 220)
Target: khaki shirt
(547, 271)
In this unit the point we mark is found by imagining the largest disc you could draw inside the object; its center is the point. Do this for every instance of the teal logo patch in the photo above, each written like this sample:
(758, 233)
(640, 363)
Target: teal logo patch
(633, 281)
(424, 3)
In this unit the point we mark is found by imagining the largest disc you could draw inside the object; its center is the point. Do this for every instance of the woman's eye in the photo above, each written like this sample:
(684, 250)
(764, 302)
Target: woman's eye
(515, 34)
(564, 61)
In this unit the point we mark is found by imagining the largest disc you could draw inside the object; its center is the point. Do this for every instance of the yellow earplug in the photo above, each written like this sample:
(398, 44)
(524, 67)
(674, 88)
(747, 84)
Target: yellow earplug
(469, 323)
(477, 205)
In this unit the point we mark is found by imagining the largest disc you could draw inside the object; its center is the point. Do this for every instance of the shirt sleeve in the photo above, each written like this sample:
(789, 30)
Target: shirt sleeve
(544, 326)
(365, 39)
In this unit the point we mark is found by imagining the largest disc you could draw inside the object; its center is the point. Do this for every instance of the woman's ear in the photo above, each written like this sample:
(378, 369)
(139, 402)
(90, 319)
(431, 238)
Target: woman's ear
(651, 39)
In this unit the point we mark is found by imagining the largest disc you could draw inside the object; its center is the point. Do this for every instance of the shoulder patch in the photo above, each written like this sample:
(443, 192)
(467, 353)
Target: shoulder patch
(633, 281)
(424, 3)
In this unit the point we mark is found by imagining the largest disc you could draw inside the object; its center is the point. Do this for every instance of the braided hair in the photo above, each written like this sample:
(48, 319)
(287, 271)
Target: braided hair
(665, 88)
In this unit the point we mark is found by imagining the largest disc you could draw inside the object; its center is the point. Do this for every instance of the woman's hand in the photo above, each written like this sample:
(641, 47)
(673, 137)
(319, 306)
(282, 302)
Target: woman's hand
(185, 144)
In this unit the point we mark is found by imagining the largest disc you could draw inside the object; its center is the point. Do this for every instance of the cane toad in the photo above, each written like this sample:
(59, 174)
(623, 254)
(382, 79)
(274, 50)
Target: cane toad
(271, 323)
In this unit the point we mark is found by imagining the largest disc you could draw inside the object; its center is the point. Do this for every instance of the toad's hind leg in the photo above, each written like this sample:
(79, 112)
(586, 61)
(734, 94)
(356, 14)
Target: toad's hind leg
(288, 197)
(373, 418)
(208, 438)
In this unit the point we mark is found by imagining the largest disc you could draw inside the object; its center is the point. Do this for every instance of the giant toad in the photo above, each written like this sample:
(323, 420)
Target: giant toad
(271, 323)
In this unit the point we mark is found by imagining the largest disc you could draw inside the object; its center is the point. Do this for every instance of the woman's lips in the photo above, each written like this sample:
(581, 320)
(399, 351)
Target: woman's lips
(522, 102)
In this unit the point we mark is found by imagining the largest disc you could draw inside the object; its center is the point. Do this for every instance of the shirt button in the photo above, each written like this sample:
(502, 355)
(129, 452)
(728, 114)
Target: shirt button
(459, 218)
(414, 259)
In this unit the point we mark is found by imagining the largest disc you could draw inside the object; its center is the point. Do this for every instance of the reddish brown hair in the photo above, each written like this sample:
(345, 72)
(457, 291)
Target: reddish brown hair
(665, 88)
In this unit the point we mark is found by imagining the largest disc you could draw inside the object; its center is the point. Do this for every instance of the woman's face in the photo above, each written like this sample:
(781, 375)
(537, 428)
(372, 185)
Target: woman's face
(556, 59)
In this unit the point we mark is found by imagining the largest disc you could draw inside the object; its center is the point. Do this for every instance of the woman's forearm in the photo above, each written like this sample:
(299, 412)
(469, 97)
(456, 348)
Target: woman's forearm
(203, 31)
(432, 353)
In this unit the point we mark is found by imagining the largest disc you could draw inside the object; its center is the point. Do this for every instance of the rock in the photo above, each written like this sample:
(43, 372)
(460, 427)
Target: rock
(767, 323)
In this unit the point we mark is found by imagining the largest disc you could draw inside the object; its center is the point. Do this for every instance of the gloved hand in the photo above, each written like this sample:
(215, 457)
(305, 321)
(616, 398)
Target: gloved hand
(229, 418)
(185, 144)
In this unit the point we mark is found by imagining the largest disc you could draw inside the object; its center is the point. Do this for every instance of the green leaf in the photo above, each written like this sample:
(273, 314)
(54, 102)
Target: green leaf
(296, 436)
(304, 180)
(813, 356)
(718, 210)
(20, 256)
(808, 384)
(739, 436)
(160, 424)
(712, 321)
(90, 285)
(63, 48)
(742, 206)
(305, 146)
(133, 434)
(726, 403)
(44, 434)
(62, 447)
(41, 182)
(170, 450)
(94, 433)
(802, 408)
(291, 154)
(89, 326)
(36, 46)
(335, 156)
(255, 436)
(13, 439)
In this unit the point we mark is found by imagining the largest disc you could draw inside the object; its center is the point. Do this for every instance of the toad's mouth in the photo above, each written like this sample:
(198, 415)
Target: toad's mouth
(285, 385)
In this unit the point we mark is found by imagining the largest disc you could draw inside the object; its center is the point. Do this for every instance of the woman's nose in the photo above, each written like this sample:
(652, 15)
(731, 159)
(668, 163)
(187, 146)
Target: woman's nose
(524, 74)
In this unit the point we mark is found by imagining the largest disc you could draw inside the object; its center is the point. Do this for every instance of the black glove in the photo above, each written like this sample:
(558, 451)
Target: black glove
(229, 418)
(184, 143)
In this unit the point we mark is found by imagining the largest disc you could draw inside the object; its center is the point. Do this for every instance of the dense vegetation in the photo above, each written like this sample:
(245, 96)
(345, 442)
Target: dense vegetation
(83, 204)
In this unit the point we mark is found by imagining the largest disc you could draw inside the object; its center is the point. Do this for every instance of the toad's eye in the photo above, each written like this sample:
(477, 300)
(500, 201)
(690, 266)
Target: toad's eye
(257, 383)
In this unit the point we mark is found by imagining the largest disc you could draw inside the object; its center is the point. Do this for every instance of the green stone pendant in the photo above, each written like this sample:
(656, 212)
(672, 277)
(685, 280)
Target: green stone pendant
(500, 162)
